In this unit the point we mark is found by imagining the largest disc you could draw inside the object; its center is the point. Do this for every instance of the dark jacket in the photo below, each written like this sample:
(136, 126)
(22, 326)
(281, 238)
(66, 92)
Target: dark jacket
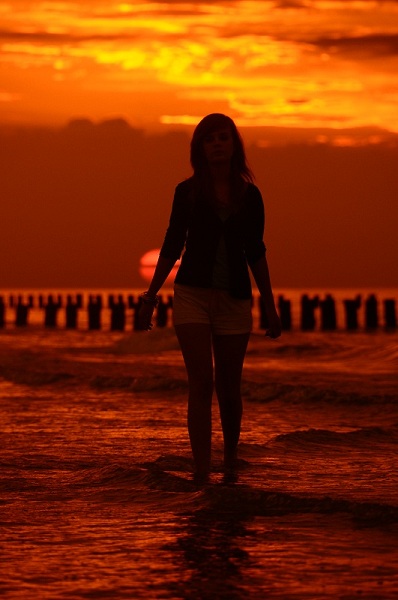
(195, 224)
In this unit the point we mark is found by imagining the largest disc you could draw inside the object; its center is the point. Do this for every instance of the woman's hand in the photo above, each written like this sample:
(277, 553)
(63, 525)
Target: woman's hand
(274, 328)
(261, 275)
(144, 317)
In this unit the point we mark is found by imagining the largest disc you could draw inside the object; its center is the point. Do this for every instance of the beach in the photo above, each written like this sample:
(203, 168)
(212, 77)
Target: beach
(97, 497)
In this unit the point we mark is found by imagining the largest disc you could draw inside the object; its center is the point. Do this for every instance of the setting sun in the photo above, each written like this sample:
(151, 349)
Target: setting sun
(148, 263)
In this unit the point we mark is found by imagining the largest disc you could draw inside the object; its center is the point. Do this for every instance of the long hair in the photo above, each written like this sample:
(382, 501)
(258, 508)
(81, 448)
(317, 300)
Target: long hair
(241, 173)
(209, 124)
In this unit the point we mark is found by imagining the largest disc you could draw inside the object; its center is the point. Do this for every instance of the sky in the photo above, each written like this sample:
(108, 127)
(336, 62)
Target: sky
(98, 101)
(293, 63)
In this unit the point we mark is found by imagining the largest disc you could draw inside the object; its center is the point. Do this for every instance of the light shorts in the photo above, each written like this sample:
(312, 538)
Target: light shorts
(226, 315)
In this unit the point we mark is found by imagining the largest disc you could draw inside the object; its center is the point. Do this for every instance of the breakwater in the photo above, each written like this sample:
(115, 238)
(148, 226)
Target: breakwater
(118, 311)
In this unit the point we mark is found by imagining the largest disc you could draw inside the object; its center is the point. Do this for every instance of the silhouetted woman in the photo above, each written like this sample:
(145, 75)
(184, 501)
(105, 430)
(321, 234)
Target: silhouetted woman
(217, 218)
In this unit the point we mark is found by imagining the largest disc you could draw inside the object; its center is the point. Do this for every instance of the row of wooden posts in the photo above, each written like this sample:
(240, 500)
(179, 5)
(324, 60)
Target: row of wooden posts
(315, 313)
(328, 315)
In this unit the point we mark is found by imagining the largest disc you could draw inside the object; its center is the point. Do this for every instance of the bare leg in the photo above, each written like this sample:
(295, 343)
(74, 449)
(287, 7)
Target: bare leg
(195, 342)
(229, 354)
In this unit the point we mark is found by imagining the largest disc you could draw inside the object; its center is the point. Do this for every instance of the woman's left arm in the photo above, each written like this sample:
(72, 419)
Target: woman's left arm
(255, 252)
(263, 281)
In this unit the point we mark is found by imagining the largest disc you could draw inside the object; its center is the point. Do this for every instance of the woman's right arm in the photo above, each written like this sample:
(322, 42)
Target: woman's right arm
(149, 299)
(174, 240)
(163, 269)
(169, 254)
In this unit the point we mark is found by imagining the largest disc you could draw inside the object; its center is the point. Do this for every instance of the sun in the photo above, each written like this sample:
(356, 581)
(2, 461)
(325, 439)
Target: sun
(148, 263)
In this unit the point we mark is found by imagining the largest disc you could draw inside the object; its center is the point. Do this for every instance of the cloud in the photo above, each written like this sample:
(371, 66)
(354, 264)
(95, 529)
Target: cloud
(292, 4)
(263, 60)
(374, 45)
(44, 37)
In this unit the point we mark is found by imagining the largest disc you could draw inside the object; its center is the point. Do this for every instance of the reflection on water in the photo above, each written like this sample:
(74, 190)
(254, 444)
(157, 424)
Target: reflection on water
(212, 556)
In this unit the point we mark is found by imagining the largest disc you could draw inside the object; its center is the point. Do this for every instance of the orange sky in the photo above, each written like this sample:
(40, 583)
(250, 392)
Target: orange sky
(305, 63)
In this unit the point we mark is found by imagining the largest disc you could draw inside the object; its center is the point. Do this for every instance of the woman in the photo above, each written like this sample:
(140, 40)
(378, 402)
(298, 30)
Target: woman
(218, 219)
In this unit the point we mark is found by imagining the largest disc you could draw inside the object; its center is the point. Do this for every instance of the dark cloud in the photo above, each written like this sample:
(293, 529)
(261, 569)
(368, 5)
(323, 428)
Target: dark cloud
(375, 45)
(211, 2)
(291, 4)
(60, 38)
(298, 101)
(308, 119)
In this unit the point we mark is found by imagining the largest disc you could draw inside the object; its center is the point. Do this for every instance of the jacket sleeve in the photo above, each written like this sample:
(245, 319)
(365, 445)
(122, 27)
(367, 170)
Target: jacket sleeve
(254, 244)
(176, 232)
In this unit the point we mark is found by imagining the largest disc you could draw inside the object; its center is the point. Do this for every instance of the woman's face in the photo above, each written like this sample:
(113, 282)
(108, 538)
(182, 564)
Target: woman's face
(218, 146)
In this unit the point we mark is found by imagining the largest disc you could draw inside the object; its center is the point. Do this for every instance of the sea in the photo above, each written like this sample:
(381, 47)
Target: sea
(97, 498)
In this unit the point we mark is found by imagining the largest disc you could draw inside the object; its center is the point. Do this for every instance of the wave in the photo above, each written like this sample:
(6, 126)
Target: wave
(99, 371)
(166, 482)
(128, 383)
(155, 383)
(142, 342)
(360, 353)
(353, 438)
(163, 378)
(255, 391)
(143, 362)
(253, 502)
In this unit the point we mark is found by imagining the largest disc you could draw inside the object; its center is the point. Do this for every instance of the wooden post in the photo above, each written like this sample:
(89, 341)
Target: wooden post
(22, 311)
(285, 314)
(308, 306)
(351, 310)
(71, 310)
(118, 313)
(94, 312)
(328, 313)
(390, 315)
(51, 309)
(371, 314)
(2, 312)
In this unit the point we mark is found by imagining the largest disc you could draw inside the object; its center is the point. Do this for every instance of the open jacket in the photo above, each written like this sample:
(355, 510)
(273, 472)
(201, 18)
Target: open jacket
(195, 225)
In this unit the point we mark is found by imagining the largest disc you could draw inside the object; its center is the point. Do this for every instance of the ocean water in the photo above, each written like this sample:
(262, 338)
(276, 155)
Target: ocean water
(96, 494)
